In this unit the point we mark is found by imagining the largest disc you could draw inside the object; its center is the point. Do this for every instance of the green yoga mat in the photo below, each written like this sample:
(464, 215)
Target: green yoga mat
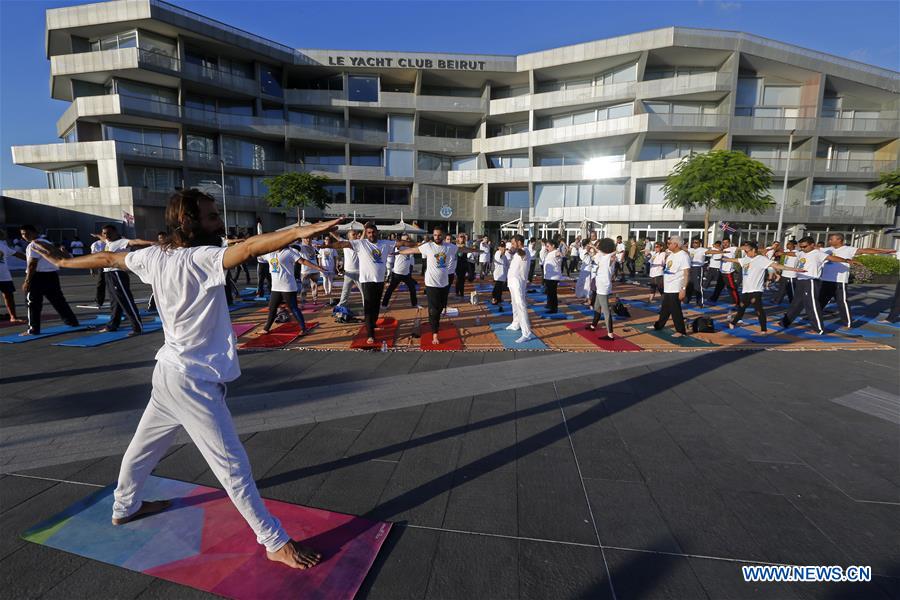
(666, 334)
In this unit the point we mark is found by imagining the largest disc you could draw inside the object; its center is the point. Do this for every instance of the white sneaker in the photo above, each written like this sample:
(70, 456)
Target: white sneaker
(513, 327)
(525, 338)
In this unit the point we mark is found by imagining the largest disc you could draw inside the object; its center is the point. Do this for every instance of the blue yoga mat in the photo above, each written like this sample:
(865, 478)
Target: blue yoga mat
(508, 338)
(542, 313)
(502, 309)
(874, 321)
(746, 334)
(98, 339)
(47, 332)
(238, 306)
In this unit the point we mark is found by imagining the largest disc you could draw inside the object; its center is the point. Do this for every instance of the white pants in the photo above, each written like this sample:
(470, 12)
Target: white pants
(328, 280)
(519, 306)
(583, 285)
(198, 406)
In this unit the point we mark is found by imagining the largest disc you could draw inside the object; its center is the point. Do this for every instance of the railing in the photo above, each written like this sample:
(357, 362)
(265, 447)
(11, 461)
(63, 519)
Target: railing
(850, 165)
(148, 151)
(218, 77)
(774, 123)
(797, 165)
(683, 84)
(686, 120)
(145, 105)
(890, 126)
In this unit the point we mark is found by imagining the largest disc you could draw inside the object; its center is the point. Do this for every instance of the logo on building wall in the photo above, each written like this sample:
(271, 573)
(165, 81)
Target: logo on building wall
(461, 64)
(446, 211)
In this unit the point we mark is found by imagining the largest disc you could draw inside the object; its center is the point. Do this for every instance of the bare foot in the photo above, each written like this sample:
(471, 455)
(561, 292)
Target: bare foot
(295, 556)
(370, 340)
(18, 320)
(147, 508)
(27, 333)
(435, 340)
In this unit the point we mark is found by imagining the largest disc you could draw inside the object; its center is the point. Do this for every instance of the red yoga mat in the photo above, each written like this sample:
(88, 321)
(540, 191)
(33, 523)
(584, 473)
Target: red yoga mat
(599, 339)
(240, 329)
(385, 331)
(448, 335)
(306, 309)
(279, 337)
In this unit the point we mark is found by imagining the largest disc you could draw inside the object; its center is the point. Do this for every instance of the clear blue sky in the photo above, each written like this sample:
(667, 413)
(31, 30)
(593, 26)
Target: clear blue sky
(864, 31)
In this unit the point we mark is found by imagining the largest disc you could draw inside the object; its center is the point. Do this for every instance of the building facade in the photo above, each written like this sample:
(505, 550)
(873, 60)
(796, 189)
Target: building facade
(163, 98)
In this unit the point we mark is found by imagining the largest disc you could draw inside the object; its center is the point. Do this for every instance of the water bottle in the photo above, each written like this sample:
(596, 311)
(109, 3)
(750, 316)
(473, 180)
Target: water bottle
(473, 297)
(384, 345)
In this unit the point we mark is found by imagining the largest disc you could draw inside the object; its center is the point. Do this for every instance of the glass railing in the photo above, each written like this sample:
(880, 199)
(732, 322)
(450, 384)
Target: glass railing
(149, 151)
(687, 120)
(159, 60)
(851, 165)
(860, 125)
(147, 105)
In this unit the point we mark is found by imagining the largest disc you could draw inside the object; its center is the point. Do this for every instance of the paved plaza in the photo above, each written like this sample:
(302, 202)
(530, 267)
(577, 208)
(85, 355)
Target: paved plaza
(531, 474)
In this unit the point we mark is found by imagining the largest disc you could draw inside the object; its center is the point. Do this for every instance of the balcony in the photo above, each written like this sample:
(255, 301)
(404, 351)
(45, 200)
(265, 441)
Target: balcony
(885, 127)
(446, 103)
(102, 201)
(853, 167)
(798, 166)
(267, 126)
(684, 84)
(669, 121)
(314, 97)
(88, 106)
(589, 94)
(441, 144)
(504, 213)
(203, 74)
(479, 176)
(775, 119)
(148, 151)
(55, 156)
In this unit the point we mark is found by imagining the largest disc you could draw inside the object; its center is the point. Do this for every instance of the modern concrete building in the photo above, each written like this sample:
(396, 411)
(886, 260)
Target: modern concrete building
(163, 98)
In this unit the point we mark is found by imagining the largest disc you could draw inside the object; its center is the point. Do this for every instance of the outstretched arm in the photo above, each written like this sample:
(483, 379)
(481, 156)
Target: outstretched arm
(874, 251)
(338, 243)
(139, 243)
(96, 260)
(410, 250)
(269, 242)
(781, 267)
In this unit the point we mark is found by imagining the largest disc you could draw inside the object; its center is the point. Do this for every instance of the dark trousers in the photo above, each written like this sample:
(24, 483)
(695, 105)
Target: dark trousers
(262, 275)
(785, 288)
(712, 276)
(726, 280)
(236, 272)
(371, 293)
(671, 306)
(807, 300)
(46, 285)
(231, 290)
(531, 267)
(101, 288)
(629, 264)
(397, 280)
(462, 271)
(497, 292)
(895, 308)
(695, 285)
(572, 265)
(276, 299)
(564, 267)
(755, 299)
(121, 301)
(550, 286)
(437, 302)
(838, 292)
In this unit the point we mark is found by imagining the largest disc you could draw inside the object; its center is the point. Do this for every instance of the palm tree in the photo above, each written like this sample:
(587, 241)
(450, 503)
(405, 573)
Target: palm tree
(888, 189)
(297, 190)
(724, 180)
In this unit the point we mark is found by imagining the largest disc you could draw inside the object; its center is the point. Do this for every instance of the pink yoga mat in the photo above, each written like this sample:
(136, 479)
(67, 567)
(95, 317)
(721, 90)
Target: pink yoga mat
(240, 329)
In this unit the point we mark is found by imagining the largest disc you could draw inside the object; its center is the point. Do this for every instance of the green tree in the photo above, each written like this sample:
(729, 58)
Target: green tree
(723, 180)
(888, 190)
(297, 190)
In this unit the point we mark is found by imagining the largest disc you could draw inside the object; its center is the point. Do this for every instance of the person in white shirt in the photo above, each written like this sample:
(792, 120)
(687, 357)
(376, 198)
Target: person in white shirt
(373, 254)
(460, 266)
(100, 295)
(584, 283)
(675, 277)
(810, 261)
(325, 259)
(657, 266)
(196, 362)
(284, 285)
(553, 273)
(715, 263)
(754, 267)
(787, 278)
(350, 268)
(7, 288)
(440, 257)
(516, 278)
(576, 250)
(501, 272)
(836, 275)
(695, 282)
(648, 251)
(534, 249)
(604, 260)
(309, 276)
(76, 247)
(484, 257)
(726, 272)
(401, 273)
(42, 281)
(121, 300)
(773, 253)
(620, 258)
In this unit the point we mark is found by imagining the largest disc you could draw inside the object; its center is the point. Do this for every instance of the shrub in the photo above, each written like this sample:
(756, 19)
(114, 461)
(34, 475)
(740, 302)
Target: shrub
(880, 264)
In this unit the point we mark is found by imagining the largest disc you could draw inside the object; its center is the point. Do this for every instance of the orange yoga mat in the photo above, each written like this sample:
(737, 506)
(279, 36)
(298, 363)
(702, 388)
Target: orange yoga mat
(448, 335)
(385, 331)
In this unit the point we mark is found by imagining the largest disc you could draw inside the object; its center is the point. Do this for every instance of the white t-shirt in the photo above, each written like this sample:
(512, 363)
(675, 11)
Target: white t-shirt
(403, 263)
(553, 265)
(790, 261)
(501, 265)
(98, 246)
(698, 256)
(77, 248)
(673, 273)
(812, 263)
(754, 273)
(452, 259)
(835, 271)
(485, 252)
(372, 259)
(542, 254)
(438, 261)
(603, 273)
(715, 260)
(657, 263)
(281, 267)
(351, 260)
(119, 245)
(517, 274)
(728, 267)
(5, 253)
(308, 253)
(43, 265)
(188, 289)
(576, 249)
(326, 259)
(620, 252)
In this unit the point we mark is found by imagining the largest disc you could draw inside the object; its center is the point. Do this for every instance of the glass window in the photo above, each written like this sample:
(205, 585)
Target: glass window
(550, 161)
(238, 185)
(626, 73)
(400, 129)
(607, 194)
(659, 108)
(249, 154)
(433, 162)
(366, 159)
(571, 195)
(200, 144)
(368, 123)
(362, 89)
(560, 121)
(399, 163)
(234, 107)
(235, 67)
(516, 199)
(747, 91)
(547, 196)
(127, 39)
(652, 193)
(337, 193)
(686, 109)
(464, 163)
(780, 95)
(158, 44)
(147, 92)
(270, 81)
(585, 116)
(72, 177)
(396, 195)
(621, 110)
(71, 135)
(152, 178)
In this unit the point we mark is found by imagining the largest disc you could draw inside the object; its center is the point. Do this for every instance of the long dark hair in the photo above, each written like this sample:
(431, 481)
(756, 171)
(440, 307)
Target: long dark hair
(183, 219)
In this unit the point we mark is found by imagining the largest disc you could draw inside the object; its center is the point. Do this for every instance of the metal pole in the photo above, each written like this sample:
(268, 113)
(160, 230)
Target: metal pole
(224, 204)
(787, 169)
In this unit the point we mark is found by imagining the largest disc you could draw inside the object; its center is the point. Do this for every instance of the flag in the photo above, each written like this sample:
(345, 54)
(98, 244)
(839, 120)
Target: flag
(727, 228)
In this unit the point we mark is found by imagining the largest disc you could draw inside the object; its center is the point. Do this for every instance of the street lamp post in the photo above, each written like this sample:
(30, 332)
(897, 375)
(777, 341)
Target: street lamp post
(224, 204)
(787, 169)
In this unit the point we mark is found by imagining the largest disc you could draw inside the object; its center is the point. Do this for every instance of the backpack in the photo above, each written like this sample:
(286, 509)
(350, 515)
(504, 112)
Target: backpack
(703, 325)
(620, 310)
(342, 314)
(283, 316)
